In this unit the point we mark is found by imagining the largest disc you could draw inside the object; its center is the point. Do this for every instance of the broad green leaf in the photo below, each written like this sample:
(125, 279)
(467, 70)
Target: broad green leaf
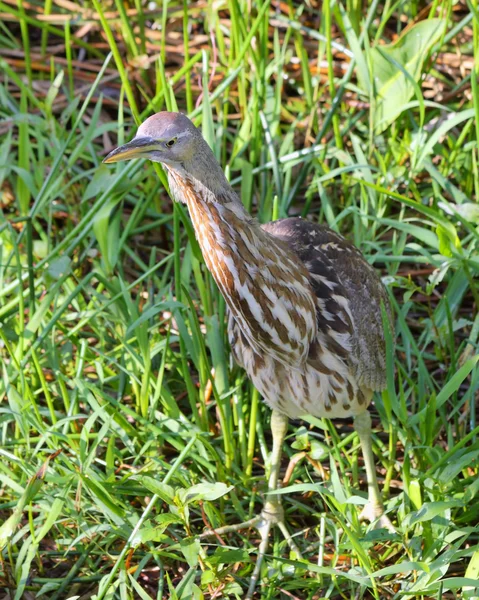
(448, 240)
(396, 68)
(304, 488)
(228, 556)
(100, 181)
(402, 567)
(414, 492)
(472, 571)
(190, 548)
(59, 266)
(428, 511)
(454, 467)
(163, 490)
(444, 242)
(468, 211)
(207, 491)
(162, 522)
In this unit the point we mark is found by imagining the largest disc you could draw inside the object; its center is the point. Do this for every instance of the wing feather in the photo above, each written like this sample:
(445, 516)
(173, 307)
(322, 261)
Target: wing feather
(349, 295)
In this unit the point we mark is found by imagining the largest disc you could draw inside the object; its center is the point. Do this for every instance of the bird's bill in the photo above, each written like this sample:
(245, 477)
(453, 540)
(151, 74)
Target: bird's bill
(137, 148)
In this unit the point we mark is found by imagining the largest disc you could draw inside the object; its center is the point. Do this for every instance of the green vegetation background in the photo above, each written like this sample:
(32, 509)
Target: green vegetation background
(125, 428)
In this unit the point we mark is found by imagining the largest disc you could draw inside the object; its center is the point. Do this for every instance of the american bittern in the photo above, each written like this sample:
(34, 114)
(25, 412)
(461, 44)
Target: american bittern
(304, 305)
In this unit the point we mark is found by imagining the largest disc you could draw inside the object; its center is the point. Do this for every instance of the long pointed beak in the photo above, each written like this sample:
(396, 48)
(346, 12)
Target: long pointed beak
(137, 148)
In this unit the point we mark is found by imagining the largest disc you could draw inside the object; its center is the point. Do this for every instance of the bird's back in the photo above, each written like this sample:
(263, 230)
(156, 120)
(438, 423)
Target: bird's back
(349, 296)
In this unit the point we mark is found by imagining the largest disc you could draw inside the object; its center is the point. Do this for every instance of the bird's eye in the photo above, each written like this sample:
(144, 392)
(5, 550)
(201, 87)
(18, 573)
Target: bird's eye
(170, 143)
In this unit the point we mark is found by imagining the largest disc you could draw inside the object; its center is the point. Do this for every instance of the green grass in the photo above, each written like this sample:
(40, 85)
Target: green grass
(125, 427)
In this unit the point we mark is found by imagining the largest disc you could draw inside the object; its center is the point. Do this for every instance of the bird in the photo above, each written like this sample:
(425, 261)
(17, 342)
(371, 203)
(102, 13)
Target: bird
(305, 308)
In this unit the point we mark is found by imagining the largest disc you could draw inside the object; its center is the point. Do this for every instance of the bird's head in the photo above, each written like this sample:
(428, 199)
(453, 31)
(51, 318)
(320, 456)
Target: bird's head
(172, 139)
(167, 137)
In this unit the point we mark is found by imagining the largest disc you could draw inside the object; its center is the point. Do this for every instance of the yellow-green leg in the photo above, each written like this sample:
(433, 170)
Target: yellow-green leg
(272, 513)
(374, 509)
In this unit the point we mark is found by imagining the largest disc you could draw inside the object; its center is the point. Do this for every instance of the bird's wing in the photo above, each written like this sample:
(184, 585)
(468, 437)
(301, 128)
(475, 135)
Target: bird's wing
(349, 296)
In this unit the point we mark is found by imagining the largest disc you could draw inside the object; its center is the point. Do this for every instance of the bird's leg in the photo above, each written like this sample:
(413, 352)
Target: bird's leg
(374, 509)
(273, 509)
(272, 513)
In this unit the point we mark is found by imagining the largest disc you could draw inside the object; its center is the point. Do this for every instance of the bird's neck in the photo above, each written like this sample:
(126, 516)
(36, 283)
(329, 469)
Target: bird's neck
(257, 274)
(203, 179)
(224, 229)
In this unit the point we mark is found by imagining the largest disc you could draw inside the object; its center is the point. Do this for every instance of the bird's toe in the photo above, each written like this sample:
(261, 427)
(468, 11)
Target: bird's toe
(374, 513)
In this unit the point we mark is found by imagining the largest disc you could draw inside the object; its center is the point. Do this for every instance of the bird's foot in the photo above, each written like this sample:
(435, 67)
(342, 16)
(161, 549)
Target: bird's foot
(374, 513)
(272, 515)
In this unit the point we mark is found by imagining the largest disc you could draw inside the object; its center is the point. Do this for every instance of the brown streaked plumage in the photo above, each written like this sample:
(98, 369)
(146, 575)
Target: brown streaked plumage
(304, 305)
